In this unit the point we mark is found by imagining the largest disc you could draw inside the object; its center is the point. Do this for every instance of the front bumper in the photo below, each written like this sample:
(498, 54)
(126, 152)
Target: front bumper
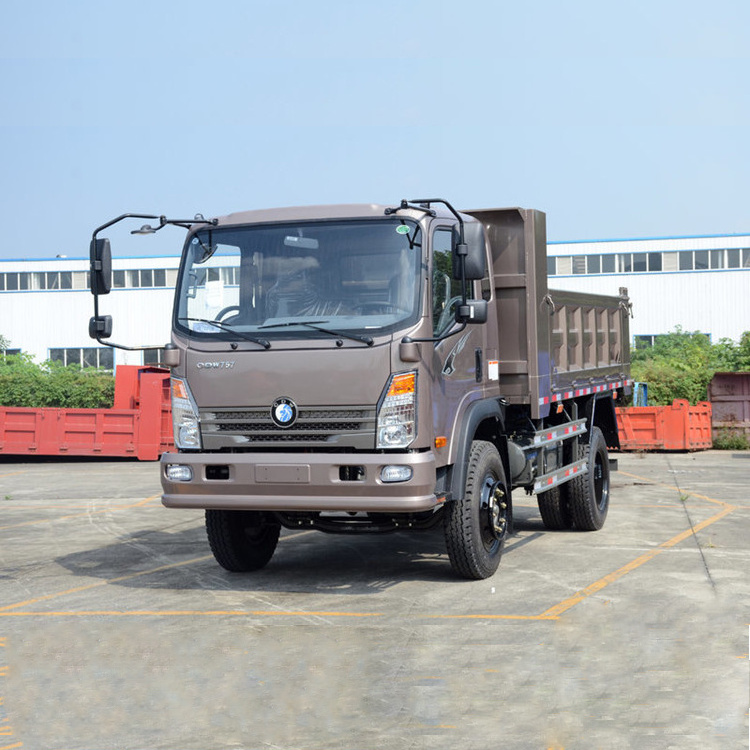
(300, 481)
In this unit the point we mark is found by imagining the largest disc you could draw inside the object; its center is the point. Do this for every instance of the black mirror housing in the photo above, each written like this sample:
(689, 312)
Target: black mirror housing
(472, 250)
(100, 327)
(100, 258)
(473, 312)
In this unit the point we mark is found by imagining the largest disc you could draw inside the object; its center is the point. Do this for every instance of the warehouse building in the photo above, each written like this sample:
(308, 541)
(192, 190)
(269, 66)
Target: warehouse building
(45, 306)
(698, 283)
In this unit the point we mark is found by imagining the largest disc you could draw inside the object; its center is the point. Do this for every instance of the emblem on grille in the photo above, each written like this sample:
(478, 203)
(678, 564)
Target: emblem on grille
(284, 412)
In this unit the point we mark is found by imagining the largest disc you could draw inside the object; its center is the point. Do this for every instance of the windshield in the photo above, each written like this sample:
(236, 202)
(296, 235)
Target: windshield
(270, 281)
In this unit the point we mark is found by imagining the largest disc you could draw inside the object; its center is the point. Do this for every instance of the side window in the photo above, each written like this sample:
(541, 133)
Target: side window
(446, 291)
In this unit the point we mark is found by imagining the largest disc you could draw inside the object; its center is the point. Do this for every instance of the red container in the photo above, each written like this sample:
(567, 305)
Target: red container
(679, 427)
(139, 425)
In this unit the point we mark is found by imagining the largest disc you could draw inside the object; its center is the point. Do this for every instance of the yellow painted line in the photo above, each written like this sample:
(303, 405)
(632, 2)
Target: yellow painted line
(12, 747)
(596, 586)
(674, 488)
(193, 613)
(98, 584)
(119, 579)
(13, 473)
(139, 504)
(543, 616)
(254, 613)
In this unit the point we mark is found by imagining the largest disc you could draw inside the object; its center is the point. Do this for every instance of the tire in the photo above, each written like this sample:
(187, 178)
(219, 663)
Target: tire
(554, 509)
(474, 540)
(241, 540)
(588, 495)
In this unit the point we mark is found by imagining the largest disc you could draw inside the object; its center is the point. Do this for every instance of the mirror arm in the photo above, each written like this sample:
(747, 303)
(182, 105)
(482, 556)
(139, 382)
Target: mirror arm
(435, 339)
(121, 218)
(129, 348)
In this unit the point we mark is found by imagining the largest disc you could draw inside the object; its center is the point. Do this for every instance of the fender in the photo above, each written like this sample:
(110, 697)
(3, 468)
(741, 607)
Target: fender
(486, 410)
(600, 412)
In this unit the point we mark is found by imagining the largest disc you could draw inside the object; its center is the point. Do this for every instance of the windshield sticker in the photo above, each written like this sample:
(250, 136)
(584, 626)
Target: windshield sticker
(402, 229)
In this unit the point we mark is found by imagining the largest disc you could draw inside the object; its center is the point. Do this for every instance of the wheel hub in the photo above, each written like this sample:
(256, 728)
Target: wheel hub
(495, 505)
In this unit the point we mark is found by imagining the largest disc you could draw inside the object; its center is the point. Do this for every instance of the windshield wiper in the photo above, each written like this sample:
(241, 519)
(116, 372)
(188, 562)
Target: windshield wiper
(265, 343)
(314, 325)
(292, 323)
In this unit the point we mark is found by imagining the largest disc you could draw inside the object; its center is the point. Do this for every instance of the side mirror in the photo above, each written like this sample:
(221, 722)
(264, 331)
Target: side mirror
(100, 327)
(100, 258)
(474, 311)
(472, 250)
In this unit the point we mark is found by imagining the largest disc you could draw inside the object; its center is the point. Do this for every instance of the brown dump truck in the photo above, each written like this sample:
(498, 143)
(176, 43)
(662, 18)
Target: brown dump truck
(371, 368)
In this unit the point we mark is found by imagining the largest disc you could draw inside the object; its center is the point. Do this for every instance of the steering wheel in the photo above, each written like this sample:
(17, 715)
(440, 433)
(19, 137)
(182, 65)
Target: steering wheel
(226, 311)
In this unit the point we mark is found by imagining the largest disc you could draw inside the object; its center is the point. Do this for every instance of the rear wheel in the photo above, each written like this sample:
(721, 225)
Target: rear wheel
(476, 525)
(588, 495)
(241, 540)
(553, 507)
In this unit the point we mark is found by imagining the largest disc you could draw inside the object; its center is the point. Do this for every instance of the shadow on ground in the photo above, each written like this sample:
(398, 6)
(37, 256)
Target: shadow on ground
(304, 561)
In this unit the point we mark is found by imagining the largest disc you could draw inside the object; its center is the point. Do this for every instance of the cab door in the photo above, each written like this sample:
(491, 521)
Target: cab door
(458, 366)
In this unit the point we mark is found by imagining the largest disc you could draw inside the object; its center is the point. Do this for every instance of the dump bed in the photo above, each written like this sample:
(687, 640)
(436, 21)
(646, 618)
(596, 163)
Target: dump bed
(552, 345)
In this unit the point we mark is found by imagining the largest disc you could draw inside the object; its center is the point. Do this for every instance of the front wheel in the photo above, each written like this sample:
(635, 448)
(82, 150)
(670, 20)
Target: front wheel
(241, 540)
(476, 525)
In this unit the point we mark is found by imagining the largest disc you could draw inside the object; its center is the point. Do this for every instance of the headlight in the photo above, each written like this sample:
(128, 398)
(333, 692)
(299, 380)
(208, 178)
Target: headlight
(397, 416)
(185, 422)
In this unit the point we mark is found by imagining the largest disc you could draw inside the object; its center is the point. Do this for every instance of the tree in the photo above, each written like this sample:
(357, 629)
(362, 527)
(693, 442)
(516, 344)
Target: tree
(682, 363)
(25, 383)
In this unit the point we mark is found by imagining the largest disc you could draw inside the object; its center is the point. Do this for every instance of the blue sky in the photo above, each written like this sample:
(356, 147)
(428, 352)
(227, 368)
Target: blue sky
(618, 120)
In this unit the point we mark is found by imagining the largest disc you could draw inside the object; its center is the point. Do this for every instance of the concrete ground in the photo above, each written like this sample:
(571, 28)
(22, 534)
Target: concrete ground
(118, 629)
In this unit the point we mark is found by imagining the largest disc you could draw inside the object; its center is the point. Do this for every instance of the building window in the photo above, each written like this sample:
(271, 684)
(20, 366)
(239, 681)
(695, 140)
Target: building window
(160, 277)
(84, 357)
(594, 264)
(700, 262)
(686, 260)
(153, 357)
(640, 264)
(624, 263)
(643, 342)
(670, 261)
(551, 266)
(608, 263)
(579, 264)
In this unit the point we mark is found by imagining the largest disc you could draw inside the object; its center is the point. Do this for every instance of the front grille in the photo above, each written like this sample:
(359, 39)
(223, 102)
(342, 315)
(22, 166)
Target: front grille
(322, 427)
